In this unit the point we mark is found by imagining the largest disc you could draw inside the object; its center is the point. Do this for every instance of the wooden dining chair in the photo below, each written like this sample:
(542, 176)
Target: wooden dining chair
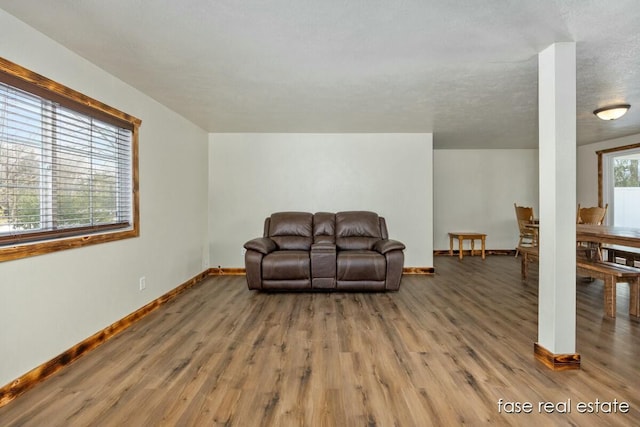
(591, 216)
(528, 235)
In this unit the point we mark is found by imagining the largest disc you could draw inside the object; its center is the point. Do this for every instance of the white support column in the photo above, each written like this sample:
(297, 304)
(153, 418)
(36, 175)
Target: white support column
(557, 162)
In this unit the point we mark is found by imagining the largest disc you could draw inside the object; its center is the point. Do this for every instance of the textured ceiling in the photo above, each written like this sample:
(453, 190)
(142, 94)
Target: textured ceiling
(464, 70)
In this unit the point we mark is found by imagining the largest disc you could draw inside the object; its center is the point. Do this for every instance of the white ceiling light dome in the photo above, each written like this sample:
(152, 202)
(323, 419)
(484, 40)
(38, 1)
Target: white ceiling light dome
(612, 112)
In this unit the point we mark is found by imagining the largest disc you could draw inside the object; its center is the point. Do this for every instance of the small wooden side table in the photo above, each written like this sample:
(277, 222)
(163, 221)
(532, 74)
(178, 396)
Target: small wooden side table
(464, 235)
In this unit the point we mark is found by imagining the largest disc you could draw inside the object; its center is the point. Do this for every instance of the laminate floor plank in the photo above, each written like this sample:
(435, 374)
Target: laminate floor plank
(443, 350)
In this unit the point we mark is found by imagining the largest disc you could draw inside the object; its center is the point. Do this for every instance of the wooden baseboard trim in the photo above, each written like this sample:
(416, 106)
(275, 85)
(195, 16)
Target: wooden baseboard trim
(556, 362)
(227, 271)
(418, 270)
(465, 252)
(27, 381)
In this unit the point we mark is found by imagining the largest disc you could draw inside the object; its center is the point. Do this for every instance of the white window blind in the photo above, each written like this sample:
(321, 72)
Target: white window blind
(62, 172)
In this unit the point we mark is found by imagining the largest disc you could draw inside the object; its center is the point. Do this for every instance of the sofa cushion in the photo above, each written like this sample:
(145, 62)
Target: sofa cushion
(357, 230)
(291, 265)
(324, 227)
(292, 230)
(361, 265)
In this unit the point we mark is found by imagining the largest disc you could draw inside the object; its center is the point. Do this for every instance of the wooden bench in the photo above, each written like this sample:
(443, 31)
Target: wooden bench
(622, 254)
(612, 273)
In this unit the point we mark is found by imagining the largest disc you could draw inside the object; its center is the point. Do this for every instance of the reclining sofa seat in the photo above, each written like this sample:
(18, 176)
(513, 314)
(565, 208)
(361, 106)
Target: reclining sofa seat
(324, 251)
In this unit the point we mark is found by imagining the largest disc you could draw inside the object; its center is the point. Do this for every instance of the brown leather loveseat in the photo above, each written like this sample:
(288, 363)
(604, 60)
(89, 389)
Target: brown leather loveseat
(324, 251)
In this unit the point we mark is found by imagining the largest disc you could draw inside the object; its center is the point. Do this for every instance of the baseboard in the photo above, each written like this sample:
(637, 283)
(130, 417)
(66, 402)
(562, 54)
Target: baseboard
(556, 362)
(226, 271)
(418, 270)
(476, 252)
(27, 381)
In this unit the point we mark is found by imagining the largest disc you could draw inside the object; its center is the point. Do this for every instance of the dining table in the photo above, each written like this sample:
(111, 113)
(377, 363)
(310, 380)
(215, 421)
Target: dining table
(610, 235)
(603, 237)
(607, 234)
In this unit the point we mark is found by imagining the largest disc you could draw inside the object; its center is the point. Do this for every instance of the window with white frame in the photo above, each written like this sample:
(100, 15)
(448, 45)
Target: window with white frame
(68, 167)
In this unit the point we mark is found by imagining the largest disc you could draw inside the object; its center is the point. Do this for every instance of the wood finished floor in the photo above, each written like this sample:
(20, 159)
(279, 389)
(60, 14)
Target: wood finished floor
(442, 351)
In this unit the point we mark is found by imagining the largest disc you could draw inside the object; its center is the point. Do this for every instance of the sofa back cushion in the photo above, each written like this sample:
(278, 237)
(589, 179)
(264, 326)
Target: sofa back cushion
(324, 227)
(357, 230)
(291, 230)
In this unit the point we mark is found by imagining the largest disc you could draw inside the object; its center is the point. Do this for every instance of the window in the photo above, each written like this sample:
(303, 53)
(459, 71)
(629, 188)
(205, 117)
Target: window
(68, 167)
(619, 185)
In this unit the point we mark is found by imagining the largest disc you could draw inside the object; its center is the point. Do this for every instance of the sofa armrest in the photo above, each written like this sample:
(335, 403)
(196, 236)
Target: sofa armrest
(264, 245)
(387, 245)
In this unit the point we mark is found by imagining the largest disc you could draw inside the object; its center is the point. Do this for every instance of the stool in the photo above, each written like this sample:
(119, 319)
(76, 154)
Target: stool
(461, 236)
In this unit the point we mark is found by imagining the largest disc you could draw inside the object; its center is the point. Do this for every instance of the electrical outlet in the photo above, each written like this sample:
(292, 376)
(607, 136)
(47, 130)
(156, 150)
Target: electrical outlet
(143, 283)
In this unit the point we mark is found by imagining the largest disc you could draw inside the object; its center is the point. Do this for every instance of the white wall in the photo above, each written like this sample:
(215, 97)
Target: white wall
(462, 177)
(51, 302)
(253, 175)
(474, 190)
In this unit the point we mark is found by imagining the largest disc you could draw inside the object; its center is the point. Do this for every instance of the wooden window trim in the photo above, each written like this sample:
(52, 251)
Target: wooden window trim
(600, 166)
(25, 79)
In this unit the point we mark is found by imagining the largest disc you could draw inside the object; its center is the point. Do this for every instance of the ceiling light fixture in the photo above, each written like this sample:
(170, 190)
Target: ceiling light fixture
(612, 112)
